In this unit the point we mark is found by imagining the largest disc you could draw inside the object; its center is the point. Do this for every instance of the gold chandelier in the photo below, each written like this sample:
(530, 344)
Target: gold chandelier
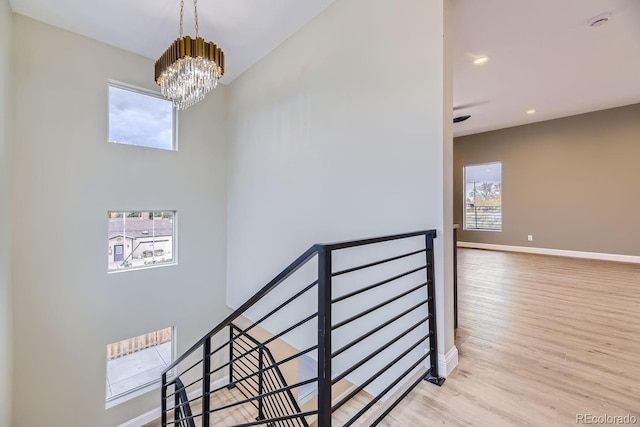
(190, 67)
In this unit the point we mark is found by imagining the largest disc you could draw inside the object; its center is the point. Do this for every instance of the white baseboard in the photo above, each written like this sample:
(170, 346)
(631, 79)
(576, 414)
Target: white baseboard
(555, 252)
(447, 362)
(154, 414)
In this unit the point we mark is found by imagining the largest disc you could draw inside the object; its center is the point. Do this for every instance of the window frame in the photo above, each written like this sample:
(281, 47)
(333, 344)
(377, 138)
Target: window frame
(148, 92)
(162, 239)
(464, 197)
(152, 385)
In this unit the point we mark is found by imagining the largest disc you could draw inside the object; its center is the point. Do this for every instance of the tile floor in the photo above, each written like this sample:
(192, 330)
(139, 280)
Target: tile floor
(137, 369)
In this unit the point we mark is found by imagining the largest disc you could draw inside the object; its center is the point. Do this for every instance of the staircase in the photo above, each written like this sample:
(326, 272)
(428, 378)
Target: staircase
(363, 311)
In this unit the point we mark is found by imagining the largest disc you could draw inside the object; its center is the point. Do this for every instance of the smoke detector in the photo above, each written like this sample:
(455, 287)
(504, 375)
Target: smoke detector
(601, 19)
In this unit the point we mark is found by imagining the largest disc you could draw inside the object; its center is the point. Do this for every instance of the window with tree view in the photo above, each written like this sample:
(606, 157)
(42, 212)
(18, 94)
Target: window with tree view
(140, 239)
(483, 197)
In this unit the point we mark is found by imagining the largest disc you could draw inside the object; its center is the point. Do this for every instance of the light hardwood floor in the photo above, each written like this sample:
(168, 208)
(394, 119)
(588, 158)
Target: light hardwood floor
(541, 339)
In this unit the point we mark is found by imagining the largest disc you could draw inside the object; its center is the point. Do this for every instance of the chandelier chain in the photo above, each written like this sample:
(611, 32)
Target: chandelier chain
(181, 16)
(195, 9)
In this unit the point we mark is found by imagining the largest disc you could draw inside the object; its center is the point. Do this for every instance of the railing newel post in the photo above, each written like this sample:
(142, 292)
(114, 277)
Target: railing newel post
(433, 375)
(163, 404)
(230, 386)
(176, 405)
(324, 336)
(260, 382)
(206, 381)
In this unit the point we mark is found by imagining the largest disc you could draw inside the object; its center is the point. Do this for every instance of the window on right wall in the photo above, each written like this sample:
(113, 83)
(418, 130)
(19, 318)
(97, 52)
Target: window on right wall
(483, 197)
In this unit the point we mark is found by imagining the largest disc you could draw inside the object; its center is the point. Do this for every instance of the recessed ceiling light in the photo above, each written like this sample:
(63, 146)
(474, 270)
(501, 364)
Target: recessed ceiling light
(480, 60)
(531, 111)
(601, 19)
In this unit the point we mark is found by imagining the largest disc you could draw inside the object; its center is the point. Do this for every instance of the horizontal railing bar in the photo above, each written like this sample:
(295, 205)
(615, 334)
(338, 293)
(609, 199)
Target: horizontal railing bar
(280, 390)
(363, 242)
(255, 404)
(220, 348)
(286, 331)
(188, 402)
(189, 368)
(292, 400)
(276, 407)
(250, 368)
(250, 351)
(224, 365)
(254, 386)
(373, 264)
(268, 409)
(398, 400)
(386, 390)
(284, 274)
(373, 331)
(274, 420)
(180, 389)
(295, 356)
(179, 420)
(376, 307)
(284, 304)
(243, 335)
(234, 360)
(375, 285)
(183, 388)
(282, 402)
(380, 372)
(251, 364)
(378, 351)
(272, 366)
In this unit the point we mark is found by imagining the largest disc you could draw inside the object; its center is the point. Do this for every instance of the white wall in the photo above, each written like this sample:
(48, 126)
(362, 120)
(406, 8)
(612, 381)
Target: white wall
(66, 177)
(338, 134)
(6, 347)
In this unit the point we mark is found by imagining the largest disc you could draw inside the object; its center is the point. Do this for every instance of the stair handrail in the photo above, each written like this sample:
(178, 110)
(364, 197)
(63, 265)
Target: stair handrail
(288, 271)
(282, 276)
(324, 297)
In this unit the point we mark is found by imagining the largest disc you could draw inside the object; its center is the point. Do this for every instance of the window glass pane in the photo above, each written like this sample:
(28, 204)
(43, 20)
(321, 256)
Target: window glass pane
(137, 118)
(137, 362)
(140, 239)
(483, 197)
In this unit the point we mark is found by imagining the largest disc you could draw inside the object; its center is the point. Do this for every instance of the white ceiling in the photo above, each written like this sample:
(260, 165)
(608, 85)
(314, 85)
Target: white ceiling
(246, 30)
(542, 54)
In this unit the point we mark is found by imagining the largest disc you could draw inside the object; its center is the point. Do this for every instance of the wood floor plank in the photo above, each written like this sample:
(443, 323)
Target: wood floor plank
(541, 339)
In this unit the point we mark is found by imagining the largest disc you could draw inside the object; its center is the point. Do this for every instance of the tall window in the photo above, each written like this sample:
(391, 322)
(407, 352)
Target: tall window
(483, 197)
(140, 239)
(140, 117)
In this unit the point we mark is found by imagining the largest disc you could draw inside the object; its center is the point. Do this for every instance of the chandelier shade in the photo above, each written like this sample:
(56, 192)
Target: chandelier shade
(189, 68)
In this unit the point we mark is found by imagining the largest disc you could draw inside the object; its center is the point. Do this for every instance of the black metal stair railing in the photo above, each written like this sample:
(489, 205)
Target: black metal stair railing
(365, 312)
(259, 375)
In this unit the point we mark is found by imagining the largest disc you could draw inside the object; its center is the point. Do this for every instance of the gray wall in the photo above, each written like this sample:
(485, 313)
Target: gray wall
(66, 177)
(6, 346)
(338, 134)
(572, 182)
